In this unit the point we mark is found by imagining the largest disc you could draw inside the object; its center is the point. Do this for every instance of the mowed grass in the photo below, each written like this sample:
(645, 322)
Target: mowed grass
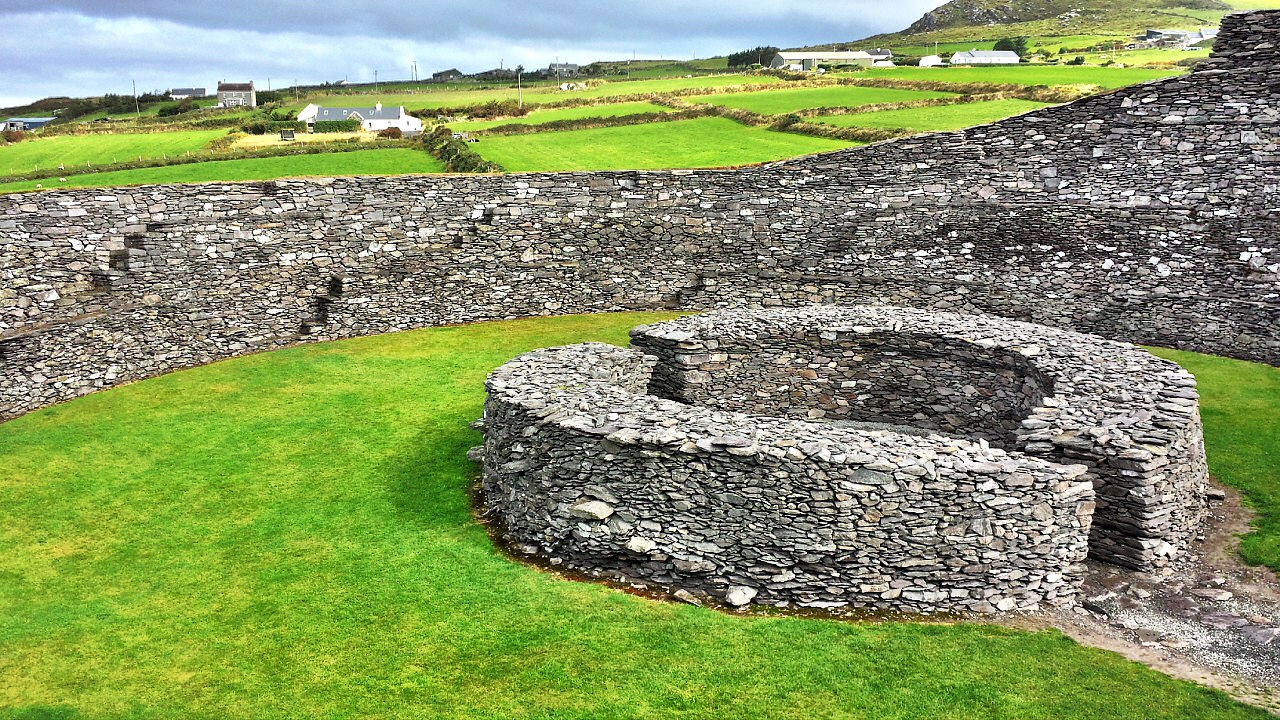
(1240, 407)
(452, 96)
(777, 102)
(935, 118)
(704, 142)
(395, 161)
(76, 150)
(1031, 74)
(538, 117)
(288, 535)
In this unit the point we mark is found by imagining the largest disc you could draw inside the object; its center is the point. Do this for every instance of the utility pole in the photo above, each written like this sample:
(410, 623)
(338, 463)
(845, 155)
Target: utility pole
(519, 86)
(375, 81)
(136, 107)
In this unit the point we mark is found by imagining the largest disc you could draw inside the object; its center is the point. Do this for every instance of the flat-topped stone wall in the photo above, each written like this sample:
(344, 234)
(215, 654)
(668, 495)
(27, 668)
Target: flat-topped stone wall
(1147, 214)
(628, 462)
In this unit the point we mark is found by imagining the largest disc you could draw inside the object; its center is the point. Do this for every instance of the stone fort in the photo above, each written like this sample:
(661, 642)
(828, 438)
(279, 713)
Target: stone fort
(1149, 214)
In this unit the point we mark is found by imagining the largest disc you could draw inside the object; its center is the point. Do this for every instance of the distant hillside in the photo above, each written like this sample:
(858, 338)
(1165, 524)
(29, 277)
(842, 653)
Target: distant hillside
(1087, 21)
(965, 13)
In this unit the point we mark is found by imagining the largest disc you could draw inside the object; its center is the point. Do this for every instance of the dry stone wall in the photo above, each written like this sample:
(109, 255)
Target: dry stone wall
(1148, 214)
(632, 462)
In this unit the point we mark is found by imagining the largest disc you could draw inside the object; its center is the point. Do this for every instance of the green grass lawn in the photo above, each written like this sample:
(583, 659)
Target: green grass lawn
(1240, 405)
(537, 117)
(704, 142)
(394, 161)
(1031, 74)
(454, 96)
(778, 102)
(288, 535)
(76, 150)
(939, 117)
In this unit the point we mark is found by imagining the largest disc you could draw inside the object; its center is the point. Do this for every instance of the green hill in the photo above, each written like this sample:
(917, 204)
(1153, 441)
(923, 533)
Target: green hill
(1052, 23)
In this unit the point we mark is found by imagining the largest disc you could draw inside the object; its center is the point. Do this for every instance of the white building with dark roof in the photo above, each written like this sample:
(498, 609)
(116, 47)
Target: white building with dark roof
(184, 93)
(372, 119)
(237, 95)
(788, 60)
(985, 57)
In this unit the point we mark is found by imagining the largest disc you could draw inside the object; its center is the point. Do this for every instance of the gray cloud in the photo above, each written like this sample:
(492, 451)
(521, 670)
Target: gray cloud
(86, 47)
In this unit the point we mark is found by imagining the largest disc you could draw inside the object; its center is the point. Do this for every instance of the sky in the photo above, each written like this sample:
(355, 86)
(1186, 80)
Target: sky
(92, 47)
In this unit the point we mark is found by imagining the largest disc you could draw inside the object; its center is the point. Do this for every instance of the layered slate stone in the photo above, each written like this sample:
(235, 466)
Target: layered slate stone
(1145, 214)
(787, 457)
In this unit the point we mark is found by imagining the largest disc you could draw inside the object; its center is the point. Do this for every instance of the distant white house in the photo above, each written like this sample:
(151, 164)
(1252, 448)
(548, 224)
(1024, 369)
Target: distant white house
(985, 57)
(883, 63)
(804, 61)
(372, 119)
(932, 61)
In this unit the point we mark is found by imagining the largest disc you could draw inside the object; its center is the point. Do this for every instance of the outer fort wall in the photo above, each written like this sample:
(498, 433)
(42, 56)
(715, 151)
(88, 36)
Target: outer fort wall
(1150, 214)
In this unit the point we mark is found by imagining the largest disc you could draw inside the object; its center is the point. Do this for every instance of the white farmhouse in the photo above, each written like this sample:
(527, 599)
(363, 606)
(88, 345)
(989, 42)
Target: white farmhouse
(803, 61)
(985, 57)
(372, 119)
(932, 61)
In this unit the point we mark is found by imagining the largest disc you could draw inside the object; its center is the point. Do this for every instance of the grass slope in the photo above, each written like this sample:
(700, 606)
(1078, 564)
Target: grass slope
(538, 117)
(453, 96)
(99, 149)
(288, 535)
(394, 161)
(1033, 74)
(777, 102)
(941, 117)
(1239, 404)
(704, 142)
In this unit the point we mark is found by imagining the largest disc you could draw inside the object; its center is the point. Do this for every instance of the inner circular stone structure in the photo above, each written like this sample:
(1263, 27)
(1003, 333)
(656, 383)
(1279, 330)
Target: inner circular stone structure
(873, 457)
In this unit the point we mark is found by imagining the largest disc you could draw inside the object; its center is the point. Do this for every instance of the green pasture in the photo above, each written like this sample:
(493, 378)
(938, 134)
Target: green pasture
(538, 117)
(542, 93)
(778, 102)
(393, 161)
(1028, 74)
(704, 142)
(288, 535)
(935, 118)
(76, 150)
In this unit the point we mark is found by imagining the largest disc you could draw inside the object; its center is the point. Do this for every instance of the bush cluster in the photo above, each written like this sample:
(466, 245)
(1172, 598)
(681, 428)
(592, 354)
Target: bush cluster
(394, 133)
(263, 127)
(455, 154)
(336, 126)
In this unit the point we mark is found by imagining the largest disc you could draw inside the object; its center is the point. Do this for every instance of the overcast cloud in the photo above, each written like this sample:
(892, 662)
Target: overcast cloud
(90, 47)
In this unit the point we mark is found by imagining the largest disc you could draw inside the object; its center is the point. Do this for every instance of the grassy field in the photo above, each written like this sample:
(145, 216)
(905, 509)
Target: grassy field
(537, 117)
(705, 142)
(940, 117)
(288, 535)
(452, 96)
(1032, 74)
(1239, 403)
(777, 102)
(99, 149)
(360, 162)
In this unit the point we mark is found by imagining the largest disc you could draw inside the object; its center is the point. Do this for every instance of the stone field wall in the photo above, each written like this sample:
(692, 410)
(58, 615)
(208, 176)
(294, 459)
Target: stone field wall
(656, 464)
(1149, 214)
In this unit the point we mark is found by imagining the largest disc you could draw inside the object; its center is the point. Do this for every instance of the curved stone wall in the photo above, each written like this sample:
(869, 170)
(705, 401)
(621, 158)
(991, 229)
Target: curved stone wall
(627, 460)
(1146, 214)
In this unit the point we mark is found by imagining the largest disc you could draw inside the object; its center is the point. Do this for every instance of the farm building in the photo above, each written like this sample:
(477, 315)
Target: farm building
(811, 60)
(450, 74)
(985, 57)
(26, 123)
(932, 61)
(559, 69)
(879, 54)
(237, 95)
(184, 93)
(372, 119)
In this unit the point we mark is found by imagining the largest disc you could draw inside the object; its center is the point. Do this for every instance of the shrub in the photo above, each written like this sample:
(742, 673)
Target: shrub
(1077, 60)
(13, 136)
(454, 153)
(394, 133)
(336, 126)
